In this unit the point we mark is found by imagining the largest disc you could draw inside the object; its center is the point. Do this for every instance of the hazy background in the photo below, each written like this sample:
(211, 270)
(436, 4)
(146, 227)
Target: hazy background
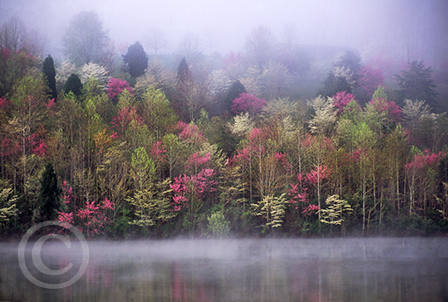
(409, 30)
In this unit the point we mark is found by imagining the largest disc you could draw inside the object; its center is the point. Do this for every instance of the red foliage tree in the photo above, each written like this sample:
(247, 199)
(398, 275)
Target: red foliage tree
(370, 79)
(187, 188)
(342, 99)
(248, 103)
(115, 87)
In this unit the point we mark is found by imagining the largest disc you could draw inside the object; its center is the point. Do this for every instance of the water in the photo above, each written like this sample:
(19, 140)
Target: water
(354, 269)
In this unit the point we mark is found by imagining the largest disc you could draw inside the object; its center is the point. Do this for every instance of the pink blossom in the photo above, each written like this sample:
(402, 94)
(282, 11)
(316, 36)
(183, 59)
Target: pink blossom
(391, 109)
(65, 217)
(318, 174)
(247, 103)
(342, 99)
(50, 104)
(126, 117)
(310, 209)
(115, 87)
(196, 161)
(190, 133)
(371, 78)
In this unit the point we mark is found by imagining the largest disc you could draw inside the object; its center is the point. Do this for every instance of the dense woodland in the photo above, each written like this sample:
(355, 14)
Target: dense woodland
(279, 140)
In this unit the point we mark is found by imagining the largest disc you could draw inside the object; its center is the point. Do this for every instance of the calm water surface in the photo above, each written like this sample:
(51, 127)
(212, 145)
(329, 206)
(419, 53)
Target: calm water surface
(376, 269)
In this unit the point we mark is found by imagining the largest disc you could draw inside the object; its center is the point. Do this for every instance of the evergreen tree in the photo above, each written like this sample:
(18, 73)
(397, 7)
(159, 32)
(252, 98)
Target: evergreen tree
(333, 85)
(136, 59)
(235, 90)
(50, 75)
(183, 72)
(49, 194)
(416, 83)
(73, 85)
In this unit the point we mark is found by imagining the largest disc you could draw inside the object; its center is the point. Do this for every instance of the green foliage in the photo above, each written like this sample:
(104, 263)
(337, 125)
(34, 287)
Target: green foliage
(136, 59)
(217, 225)
(49, 194)
(143, 168)
(152, 205)
(271, 209)
(8, 209)
(334, 211)
(157, 112)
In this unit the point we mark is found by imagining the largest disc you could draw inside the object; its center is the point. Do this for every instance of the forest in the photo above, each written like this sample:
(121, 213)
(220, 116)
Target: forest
(279, 140)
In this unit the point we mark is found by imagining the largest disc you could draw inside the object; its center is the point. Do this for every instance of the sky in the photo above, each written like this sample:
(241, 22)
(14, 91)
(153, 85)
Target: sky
(415, 28)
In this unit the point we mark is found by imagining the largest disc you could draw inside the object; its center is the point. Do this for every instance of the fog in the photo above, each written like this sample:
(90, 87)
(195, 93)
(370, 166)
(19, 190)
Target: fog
(410, 30)
(344, 269)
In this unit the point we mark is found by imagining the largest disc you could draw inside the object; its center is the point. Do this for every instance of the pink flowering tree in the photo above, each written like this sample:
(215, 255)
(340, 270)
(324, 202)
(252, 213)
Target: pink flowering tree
(188, 192)
(341, 100)
(94, 217)
(421, 174)
(115, 87)
(91, 219)
(371, 78)
(298, 195)
(248, 103)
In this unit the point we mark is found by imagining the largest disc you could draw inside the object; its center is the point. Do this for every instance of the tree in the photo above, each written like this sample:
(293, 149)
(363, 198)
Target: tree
(93, 70)
(334, 84)
(49, 194)
(73, 85)
(259, 46)
(323, 121)
(234, 91)
(157, 112)
(272, 209)
(50, 76)
(136, 59)
(190, 47)
(333, 213)
(416, 83)
(248, 103)
(348, 66)
(115, 87)
(16, 37)
(85, 39)
(156, 39)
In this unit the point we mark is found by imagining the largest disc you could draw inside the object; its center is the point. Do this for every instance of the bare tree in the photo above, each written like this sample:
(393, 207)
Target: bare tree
(156, 40)
(289, 37)
(15, 36)
(190, 47)
(259, 46)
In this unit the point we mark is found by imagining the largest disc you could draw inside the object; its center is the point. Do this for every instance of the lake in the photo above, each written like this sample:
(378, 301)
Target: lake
(342, 269)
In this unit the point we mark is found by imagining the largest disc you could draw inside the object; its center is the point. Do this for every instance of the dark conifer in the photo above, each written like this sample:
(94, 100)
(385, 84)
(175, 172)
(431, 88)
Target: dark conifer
(50, 76)
(73, 85)
(49, 194)
(136, 59)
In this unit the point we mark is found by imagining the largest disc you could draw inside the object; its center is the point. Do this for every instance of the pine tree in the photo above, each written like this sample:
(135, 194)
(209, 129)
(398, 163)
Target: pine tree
(136, 59)
(235, 90)
(50, 75)
(183, 72)
(416, 83)
(73, 85)
(49, 194)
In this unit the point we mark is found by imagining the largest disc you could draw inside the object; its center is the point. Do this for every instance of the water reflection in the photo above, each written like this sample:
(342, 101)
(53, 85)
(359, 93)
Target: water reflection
(409, 269)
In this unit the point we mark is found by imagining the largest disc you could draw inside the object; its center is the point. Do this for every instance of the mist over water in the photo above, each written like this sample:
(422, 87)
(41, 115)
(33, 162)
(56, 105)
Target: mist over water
(350, 269)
